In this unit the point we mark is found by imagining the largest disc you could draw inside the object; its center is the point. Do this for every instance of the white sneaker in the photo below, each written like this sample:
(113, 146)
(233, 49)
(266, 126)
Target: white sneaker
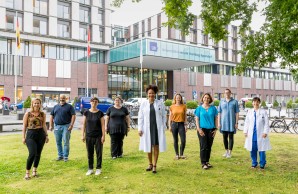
(89, 172)
(225, 154)
(98, 172)
(229, 155)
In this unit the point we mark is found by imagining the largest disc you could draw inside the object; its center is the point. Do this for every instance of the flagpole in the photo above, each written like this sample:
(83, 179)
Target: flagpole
(88, 45)
(141, 61)
(16, 59)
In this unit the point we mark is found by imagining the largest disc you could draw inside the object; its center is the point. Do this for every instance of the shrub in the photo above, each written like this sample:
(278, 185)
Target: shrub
(27, 102)
(216, 102)
(168, 102)
(191, 104)
(248, 104)
(275, 104)
(74, 101)
(294, 105)
(290, 104)
(296, 100)
(263, 104)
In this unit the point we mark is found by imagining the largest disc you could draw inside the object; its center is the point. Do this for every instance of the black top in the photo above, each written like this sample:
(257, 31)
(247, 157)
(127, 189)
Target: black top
(62, 113)
(117, 122)
(93, 124)
(153, 126)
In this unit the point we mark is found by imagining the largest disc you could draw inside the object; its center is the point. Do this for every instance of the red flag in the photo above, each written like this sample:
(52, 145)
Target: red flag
(18, 38)
(88, 47)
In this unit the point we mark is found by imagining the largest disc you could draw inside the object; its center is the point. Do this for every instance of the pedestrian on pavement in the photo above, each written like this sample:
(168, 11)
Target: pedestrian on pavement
(152, 126)
(206, 121)
(177, 124)
(228, 117)
(94, 135)
(256, 130)
(117, 125)
(34, 135)
(64, 116)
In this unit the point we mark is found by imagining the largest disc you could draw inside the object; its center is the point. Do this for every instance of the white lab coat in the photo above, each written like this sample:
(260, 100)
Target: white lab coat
(262, 127)
(144, 125)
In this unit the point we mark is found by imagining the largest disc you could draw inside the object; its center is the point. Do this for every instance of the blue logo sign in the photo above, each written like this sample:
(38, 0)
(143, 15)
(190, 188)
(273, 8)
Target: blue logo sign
(153, 46)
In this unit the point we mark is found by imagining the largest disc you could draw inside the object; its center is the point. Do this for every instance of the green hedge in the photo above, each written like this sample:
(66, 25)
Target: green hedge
(275, 104)
(290, 104)
(168, 102)
(248, 104)
(263, 104)
(27, 102)
(216, 102)
(191, 104)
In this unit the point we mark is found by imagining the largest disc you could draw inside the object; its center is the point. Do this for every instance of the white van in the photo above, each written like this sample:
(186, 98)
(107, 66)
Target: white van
(133, 101)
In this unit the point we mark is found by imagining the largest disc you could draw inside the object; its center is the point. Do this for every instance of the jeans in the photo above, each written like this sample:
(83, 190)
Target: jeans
(228, 143)
(35, 140)
(91, 143)
(205, 145)
(61, 132)
(254, 155)
(116, 144)
(179, 128)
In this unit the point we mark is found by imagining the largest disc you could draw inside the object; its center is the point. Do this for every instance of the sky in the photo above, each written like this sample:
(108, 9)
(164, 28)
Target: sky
(130, 13)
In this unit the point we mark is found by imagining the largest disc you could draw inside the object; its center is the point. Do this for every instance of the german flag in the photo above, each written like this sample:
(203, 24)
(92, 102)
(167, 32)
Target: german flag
(88, 42)
(18, 38)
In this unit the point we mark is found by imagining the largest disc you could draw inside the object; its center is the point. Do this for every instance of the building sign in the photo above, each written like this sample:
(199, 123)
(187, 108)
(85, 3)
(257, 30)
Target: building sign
(39, 88)
(153, 46)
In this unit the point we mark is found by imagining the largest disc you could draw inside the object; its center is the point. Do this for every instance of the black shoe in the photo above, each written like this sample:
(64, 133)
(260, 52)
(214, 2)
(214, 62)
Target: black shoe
(154, 170)
(59, 158)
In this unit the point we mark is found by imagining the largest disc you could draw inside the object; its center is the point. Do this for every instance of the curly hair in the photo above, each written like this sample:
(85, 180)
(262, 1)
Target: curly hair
(152, 87)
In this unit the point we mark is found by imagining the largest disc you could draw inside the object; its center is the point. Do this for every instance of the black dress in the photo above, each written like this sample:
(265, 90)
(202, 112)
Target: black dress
(117, 122)
(153, 126)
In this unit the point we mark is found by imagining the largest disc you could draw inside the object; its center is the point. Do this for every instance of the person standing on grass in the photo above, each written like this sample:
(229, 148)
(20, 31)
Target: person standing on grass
(34, 135)
(94, 135)
(117, 125)
(64, 116)
(152, 126)
(228, 117)
(177, 124)
(256, 130)
(206, 121)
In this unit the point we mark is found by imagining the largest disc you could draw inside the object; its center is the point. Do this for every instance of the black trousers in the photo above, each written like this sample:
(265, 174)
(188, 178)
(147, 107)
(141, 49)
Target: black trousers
(35, 140)
(228, 143)
(116, 144)
(178, 127)
(205, 145)
(91, 144)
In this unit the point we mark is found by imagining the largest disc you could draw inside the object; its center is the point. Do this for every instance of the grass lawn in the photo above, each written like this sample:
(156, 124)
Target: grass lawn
(128, 175)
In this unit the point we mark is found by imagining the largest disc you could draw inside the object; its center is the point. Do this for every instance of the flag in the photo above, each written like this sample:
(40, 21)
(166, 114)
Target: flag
(18, 38)
(88, 47)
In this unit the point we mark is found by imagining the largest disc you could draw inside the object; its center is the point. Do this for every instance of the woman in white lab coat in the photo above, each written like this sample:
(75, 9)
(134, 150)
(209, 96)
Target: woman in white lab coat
(256, 130)
(152, 126)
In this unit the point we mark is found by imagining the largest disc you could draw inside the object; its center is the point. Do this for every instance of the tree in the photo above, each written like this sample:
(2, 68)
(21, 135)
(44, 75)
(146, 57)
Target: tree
(277, 41)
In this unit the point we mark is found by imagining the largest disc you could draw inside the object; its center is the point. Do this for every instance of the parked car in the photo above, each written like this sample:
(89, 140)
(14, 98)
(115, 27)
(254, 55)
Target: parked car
(19, 105)
(83, 104)
(50, 105)
(133, 101)
(269, 104)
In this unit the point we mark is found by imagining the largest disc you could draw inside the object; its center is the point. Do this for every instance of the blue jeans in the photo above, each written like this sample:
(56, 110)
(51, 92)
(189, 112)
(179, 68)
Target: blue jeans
(254, 155)
(61, 132)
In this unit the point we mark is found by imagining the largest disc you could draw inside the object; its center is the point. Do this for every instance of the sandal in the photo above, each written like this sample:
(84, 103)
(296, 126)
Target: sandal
(27, 176)
(176, 157)
(34, 173)
(205, 167)
(182, 157)
(154, 170)
(149, 167)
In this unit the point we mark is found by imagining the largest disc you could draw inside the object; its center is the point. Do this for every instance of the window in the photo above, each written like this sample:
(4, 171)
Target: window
(63, 29)
(11, 21)
(225, 54)
(158, 26)
(149, 26)
(225, 43)
(100, 17)
(40, 25)
(100, 3)
(63, 10)
(40, 7)
(193, 36)
(84, 14)
(39, 67)
(234, 56)
(234, 31)
(86, 2)
(143, 28)
(52, 51)
(136, 31)
(215, 69)
(101, 35)
(216, 53)
(63, 69)
(9, 46)
(83, 32)
(204, 39)
(60, 52)
(14, 4)
(234, 43)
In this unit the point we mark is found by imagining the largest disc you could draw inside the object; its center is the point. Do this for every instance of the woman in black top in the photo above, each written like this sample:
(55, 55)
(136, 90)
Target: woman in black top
(93, 134)
(117, 125)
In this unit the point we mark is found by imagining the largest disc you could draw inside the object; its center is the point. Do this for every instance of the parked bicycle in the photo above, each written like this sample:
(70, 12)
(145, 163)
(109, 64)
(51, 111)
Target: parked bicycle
(191, 122)
(279, 125)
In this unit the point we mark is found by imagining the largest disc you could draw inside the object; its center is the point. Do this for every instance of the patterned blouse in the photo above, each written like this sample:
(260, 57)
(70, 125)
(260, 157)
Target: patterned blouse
(35, 122)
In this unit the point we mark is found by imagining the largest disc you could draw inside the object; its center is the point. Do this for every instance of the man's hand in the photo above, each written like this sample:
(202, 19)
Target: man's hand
(70, 127)
(201, 132)
(83, 139)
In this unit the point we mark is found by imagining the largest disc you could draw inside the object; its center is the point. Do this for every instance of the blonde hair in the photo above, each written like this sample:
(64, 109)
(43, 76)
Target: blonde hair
(174, 100)
(32, 101)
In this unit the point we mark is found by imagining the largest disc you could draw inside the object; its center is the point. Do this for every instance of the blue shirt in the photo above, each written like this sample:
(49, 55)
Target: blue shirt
(228, 111)
(207, 118)
(62, 114)
(254, 137)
